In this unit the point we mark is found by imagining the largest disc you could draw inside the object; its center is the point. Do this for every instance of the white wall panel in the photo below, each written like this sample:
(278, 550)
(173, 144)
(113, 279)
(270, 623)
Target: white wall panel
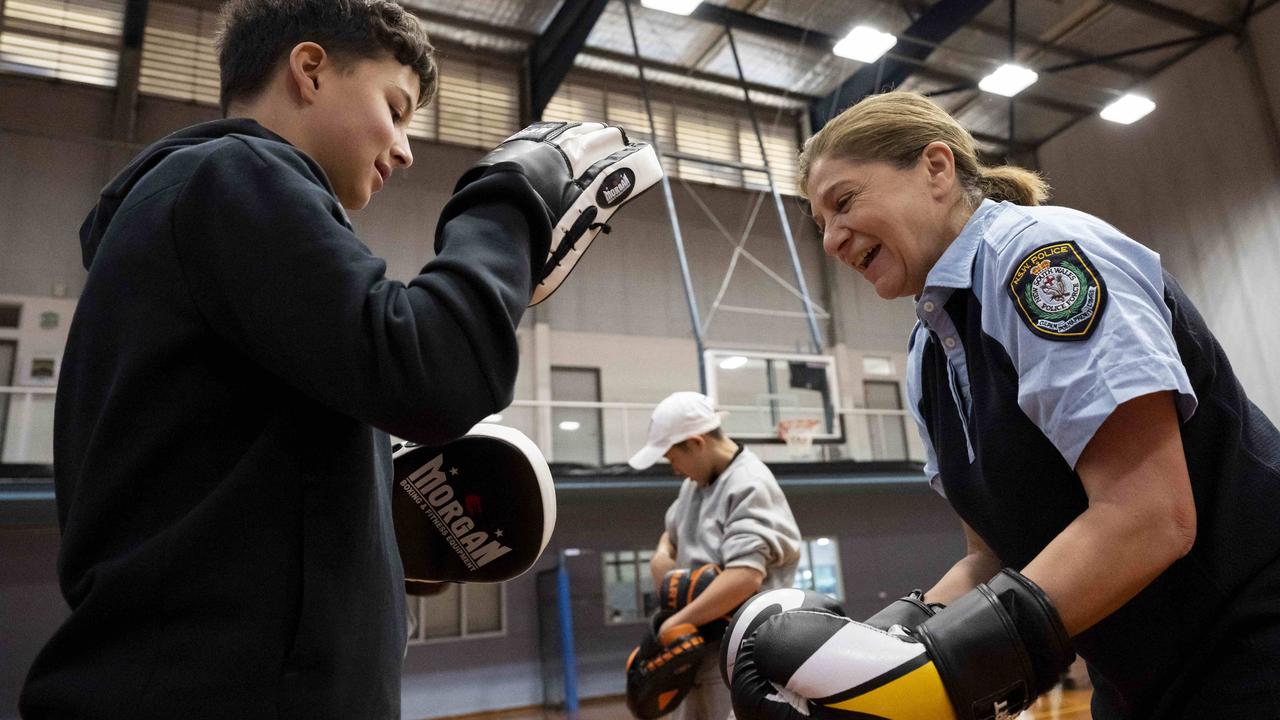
(630, 281)
(47, 186)
(1198, 181)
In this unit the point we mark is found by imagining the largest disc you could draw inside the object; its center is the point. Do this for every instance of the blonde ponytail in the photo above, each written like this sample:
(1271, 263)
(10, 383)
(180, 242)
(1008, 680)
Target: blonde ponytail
(1012, 183)
(896, 126)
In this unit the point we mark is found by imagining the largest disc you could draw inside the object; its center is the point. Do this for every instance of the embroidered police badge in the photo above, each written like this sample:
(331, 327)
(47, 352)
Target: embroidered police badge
(1058, 292)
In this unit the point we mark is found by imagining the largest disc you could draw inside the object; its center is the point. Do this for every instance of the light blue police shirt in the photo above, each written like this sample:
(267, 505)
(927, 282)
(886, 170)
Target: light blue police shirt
(1072, 373)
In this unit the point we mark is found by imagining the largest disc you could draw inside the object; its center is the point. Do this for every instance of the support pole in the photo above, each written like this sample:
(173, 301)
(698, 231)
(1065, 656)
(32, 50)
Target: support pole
(815, 336)
(1013, 58)
(569, 658)
(671, 210)
(125, 115)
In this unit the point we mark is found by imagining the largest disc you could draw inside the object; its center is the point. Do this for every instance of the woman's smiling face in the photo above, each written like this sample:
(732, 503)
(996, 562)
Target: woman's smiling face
(888, 223)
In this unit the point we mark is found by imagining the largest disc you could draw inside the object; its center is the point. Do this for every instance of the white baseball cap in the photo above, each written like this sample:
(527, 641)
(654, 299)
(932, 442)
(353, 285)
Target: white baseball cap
(676, 419)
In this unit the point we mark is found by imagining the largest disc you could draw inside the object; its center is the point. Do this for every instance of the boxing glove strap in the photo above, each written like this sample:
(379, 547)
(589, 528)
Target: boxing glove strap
(907, 611)
(997, 647)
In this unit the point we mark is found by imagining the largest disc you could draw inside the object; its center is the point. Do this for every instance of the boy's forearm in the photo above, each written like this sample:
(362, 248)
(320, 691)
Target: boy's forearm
(663, 560)
(730, 589)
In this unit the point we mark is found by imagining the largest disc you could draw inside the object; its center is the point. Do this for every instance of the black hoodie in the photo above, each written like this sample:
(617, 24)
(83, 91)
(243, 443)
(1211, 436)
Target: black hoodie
(222, 466)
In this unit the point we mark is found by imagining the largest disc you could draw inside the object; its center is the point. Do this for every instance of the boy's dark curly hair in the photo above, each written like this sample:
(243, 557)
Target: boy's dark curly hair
(257, 34)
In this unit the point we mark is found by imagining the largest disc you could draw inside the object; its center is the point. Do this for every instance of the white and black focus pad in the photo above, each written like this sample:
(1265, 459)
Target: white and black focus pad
(760, 608)
(606, 185)
(479, 509)
(583, 171)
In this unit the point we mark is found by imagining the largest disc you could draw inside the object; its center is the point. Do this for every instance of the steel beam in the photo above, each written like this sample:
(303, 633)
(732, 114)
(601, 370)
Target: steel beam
(1031, 41)
(1187, 50)
(683, 71)
(1002, 141)
(690, 298)
(740, 20)
(1174, 16)
(1103, 59)
(815, 336)
(934, 26)
(1192, 44)
(129, 69)
(551, 54)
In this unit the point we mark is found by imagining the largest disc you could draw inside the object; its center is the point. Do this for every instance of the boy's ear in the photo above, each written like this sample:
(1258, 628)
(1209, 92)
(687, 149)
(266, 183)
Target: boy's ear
(305, 62)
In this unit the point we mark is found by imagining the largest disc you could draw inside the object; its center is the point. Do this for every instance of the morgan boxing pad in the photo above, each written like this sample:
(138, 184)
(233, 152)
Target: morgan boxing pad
(582, 172)
(478, 509)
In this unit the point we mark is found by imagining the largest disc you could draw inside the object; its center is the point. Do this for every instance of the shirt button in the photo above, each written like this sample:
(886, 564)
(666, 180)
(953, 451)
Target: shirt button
(929, 306)
(950, 343)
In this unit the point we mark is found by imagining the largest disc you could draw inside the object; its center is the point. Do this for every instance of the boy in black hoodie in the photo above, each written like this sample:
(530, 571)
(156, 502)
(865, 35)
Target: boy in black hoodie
(236, 361)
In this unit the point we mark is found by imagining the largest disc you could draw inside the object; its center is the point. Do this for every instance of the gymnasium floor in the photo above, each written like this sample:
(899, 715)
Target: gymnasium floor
(1056, 705)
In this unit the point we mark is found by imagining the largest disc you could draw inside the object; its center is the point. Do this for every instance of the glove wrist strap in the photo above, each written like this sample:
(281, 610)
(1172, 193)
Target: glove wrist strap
(997, 647)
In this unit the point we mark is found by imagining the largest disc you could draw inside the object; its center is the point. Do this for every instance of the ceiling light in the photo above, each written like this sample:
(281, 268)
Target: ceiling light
(824, 541)
(1008, 80)
(678, 7)
(1128, 109)
(864, 44)
(733, 362)
(570, 425)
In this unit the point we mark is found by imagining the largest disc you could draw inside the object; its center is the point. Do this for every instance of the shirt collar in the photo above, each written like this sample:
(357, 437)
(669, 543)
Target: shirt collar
(955, 268)
(737, 454)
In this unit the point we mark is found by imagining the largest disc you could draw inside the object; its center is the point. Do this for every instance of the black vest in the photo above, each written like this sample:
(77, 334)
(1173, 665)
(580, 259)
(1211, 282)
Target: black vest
(1018, 493)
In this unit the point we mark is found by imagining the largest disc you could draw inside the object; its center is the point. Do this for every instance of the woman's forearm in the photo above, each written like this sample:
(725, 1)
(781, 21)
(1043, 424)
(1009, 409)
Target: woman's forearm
(1102, 559)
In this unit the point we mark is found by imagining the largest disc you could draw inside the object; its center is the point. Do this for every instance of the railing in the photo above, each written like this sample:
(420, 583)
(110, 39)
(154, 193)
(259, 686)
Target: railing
(602, 432)
(26, 424)
(610, 432)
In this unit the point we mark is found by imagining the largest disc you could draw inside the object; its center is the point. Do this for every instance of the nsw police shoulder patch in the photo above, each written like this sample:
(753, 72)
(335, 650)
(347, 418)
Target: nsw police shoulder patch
(1057, 292)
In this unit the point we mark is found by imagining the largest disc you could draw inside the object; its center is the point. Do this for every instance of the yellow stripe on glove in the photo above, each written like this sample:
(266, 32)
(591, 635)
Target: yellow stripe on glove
(847, 669)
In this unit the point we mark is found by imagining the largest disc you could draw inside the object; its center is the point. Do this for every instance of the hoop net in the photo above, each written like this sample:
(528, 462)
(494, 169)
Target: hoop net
(798, 434)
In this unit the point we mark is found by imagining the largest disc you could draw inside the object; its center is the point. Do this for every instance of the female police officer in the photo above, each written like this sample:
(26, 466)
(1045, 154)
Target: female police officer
(1077, 415)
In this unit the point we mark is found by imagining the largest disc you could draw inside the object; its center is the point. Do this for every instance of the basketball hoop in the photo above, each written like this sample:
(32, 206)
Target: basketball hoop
(798, 434)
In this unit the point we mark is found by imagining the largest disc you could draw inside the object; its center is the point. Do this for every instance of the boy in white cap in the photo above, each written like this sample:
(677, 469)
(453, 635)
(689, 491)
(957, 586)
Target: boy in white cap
(730, 512)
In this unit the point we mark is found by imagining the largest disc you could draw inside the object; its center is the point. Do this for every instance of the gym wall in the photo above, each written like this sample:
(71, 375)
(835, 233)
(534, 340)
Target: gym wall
(1199, 182)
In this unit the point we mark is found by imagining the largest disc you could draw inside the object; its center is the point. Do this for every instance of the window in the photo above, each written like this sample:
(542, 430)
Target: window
(477, 104)
(74, 40)
(576, 432)
(709, 133)
(459, 612)
(10, 314)
(873, 365)
(8, 352)
(628, 595)
(888, 431)
(180, 54)
(576, 102)
(780, 148)
(693, 126)
(819, 568)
